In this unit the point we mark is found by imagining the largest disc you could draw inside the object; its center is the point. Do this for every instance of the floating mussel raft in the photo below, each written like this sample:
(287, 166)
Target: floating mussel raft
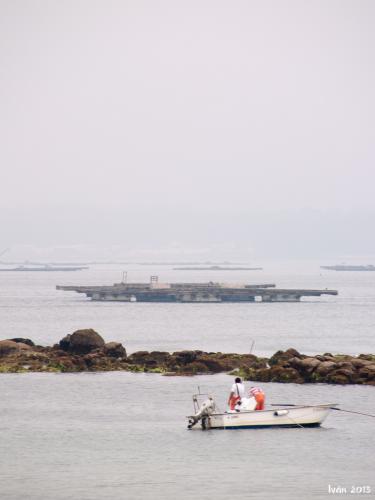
(154, 291)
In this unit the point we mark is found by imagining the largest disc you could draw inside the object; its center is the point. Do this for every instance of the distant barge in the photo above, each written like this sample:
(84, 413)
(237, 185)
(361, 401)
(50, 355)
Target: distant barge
(44, 268)
(193, 292)
(344, 267)
(217, 268)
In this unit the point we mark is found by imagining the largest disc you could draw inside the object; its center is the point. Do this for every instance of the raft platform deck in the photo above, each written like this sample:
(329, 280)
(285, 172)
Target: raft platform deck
(194, 292)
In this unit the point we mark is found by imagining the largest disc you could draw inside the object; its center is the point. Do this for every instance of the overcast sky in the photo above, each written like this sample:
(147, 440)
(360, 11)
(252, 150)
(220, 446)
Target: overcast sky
(158, 124)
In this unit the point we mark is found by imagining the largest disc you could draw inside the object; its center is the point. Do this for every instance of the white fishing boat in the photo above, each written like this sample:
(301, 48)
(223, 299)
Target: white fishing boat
(207, 414)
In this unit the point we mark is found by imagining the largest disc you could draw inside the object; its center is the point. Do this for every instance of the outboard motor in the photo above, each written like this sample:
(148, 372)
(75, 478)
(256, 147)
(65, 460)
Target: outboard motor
(205, 410)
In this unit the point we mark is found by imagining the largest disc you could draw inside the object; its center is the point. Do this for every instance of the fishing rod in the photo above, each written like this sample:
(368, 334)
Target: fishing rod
(333, 408)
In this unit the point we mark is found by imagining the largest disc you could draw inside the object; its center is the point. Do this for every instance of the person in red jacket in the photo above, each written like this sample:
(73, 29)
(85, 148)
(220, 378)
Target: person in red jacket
(259, 396)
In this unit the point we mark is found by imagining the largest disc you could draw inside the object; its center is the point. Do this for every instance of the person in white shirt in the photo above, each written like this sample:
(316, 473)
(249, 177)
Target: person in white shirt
(237, 392)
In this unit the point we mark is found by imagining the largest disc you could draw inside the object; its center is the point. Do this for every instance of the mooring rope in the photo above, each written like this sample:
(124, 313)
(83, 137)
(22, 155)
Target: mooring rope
(350, 411)
(332, 408)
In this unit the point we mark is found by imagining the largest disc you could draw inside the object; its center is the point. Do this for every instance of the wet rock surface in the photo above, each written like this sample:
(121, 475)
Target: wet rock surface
(82, 342)
(83, 350)
(23, 341)
(86, 350)
(8, 347)
(291, 366)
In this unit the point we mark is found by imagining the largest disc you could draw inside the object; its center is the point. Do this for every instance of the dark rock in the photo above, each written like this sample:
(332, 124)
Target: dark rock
(367, 372)
(139, 356)
(367, 357)
(24, 347)
(79, 363)
(212, 364)
(23, 341)
(325, 367)
(58, 352)
(8, 347)
(261, 375)
(37, 356)
(320, 357)
(349, 373)
(92, 359)
(281, 374)
(360, 363)
(220, 363)
(155, 359)
(66, 364)
(340, 376)
(195, 367)
(248, 361)
(82, 341)
(85, 350)
(115, 350)
(185, 357)
(162, 357)
(142, 358)
(65, 343)
(345, 364)
(232, 361)
(283, 356)
(326, 358)
(306, 365)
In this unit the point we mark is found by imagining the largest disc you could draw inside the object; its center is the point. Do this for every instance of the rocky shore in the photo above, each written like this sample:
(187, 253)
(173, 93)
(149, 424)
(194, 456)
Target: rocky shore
(86, 350)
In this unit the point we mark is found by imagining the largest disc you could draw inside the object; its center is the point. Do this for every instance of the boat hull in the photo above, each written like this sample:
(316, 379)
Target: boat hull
(303, 416)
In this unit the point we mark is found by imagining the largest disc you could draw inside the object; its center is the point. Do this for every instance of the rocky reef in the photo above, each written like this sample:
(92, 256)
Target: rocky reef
(86, 350)
(291, 366)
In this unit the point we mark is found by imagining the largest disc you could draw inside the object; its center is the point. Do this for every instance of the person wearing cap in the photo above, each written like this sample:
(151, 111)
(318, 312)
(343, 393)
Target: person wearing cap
(237, 392)
(259, 396)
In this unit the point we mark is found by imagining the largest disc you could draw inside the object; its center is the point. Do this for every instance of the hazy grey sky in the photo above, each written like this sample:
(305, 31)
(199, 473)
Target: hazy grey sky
(193, 123)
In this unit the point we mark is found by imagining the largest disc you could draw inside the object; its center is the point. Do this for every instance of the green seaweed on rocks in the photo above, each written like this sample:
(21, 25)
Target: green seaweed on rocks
(86, 351)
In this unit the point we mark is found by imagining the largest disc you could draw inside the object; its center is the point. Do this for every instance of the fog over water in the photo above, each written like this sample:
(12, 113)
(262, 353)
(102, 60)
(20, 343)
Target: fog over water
(209, 129)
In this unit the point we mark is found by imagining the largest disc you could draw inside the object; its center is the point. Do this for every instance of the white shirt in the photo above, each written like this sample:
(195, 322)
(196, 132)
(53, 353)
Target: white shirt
(241, 390)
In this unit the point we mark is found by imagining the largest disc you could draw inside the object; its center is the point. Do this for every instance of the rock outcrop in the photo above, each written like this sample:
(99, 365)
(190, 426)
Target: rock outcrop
(115, 350)
(85, 350)
(24, 341)
(193, 362)
(82, 342)
(291, 366)
(8, 347)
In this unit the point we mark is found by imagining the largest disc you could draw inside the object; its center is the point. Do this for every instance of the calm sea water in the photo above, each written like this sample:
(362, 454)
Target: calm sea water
(31, 306)
(123, 435)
